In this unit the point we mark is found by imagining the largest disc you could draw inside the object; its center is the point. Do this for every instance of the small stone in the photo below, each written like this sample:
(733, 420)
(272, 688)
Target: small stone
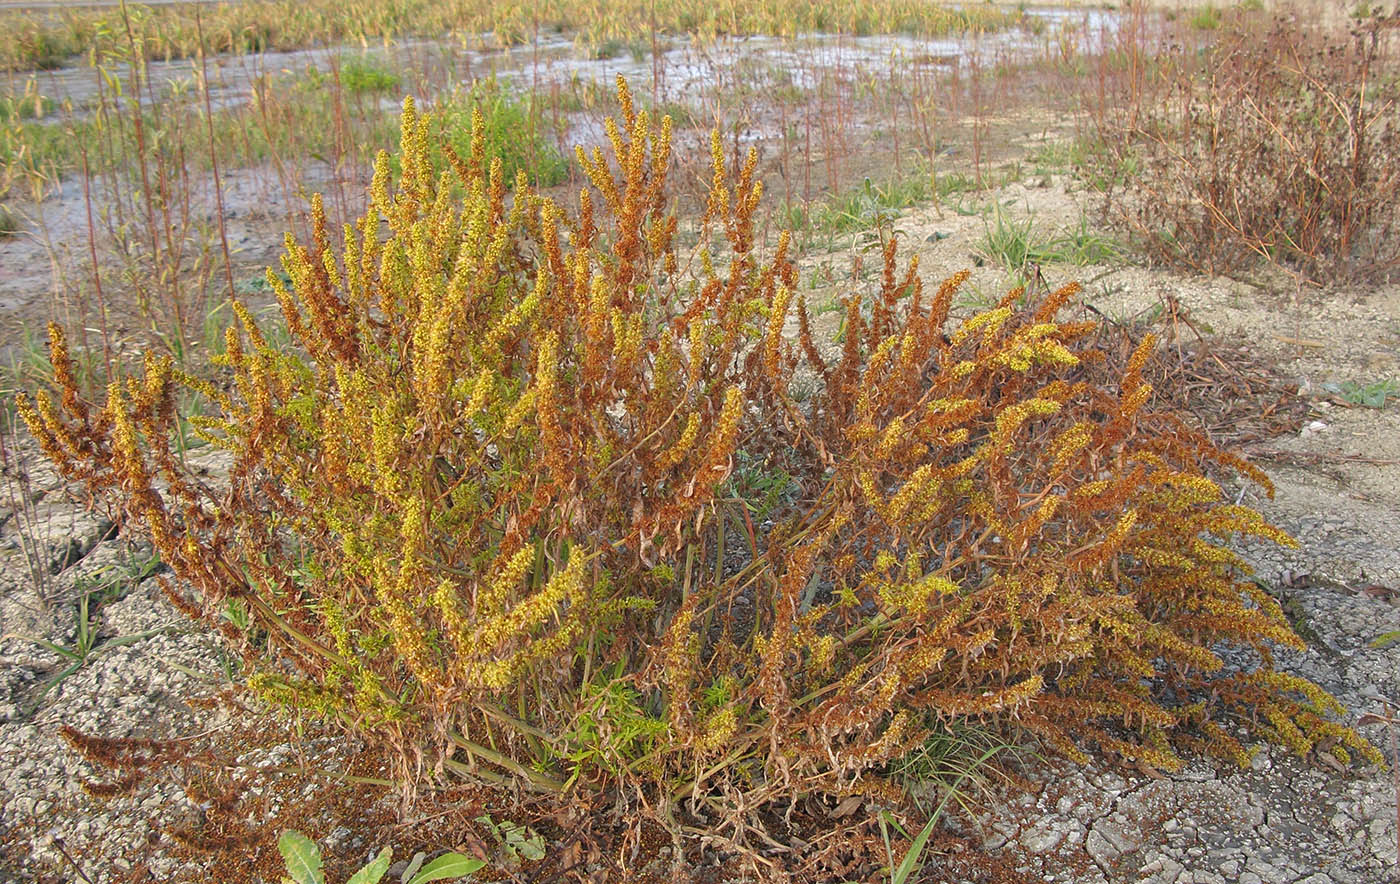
(1045, 835)
(1111, 783)
(1163, 870)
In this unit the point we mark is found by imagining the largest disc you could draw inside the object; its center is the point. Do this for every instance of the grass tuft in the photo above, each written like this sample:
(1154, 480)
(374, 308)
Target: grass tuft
(512, 131)
(1014, 244)
(359, 76)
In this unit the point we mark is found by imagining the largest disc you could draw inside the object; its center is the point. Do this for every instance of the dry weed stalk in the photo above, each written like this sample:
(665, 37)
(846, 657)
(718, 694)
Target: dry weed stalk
(1278, 142)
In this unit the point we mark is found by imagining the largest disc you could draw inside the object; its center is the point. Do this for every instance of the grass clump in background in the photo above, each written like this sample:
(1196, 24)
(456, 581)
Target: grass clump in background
(479, 512)
(1015, 245)
(507, 127)
(360, 76)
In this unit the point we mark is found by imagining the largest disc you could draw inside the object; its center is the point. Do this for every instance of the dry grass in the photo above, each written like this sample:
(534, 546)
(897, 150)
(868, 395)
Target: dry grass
(53, 36)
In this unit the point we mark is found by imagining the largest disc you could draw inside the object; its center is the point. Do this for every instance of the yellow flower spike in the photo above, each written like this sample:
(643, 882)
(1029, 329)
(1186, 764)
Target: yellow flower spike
(1144, 351)
(1112, 542)
(233, 347)
(204, 388)
(777, 317)
(719, 186)
(626, 340)
(962, 369)
(501, 240)
(599, 296)
(552, 435)
(988, 323)
(873, 498)
(432, 372)
(893, 435)
(584, 163)
(249, 324)
(43, 421)
(408, 122)
(522, 409)
(295, 265)
(335, 455)
(719, 728)
(385, 443)
(624, 99)
(380, 203)
(126, 448)
(636, 161)
(918, 487)
(1133, 402)
(880, 359)
(697, 354)
(523, 312)
(532, 611)
(755, 195)
(481, 394)
(661, 151)
(332, 269)
(600, 177)
(1010, 419)
(496, 179)
(478, 148)
(459, 286)
(728, 429)
(1068, 444)
(259, 390)
(677, 452)
(453, 614)
(1091, 489)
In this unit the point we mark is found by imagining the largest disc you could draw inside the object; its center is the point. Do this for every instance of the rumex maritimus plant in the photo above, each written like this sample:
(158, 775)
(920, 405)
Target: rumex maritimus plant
(478, 508)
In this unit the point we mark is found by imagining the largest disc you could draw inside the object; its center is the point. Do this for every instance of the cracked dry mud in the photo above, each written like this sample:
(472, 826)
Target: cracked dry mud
(1281, 820)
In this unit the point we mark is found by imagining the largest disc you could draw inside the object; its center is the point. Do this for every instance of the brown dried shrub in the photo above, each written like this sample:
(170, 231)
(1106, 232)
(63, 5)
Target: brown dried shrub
(1279, 141)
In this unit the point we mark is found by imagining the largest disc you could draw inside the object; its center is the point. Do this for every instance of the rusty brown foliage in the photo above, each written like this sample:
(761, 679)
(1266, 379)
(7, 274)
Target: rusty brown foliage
(485, 511)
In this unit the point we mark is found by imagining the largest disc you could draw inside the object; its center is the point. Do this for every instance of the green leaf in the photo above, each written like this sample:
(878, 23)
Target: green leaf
(374, 869)
(1381, 641)
(449, 865)
(302, 856)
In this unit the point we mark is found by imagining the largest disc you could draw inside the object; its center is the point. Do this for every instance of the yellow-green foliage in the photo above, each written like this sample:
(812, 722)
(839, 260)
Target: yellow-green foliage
(480, 510)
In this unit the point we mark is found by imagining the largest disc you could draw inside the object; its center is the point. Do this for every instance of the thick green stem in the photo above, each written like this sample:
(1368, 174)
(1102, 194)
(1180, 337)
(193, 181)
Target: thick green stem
(533, 778)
